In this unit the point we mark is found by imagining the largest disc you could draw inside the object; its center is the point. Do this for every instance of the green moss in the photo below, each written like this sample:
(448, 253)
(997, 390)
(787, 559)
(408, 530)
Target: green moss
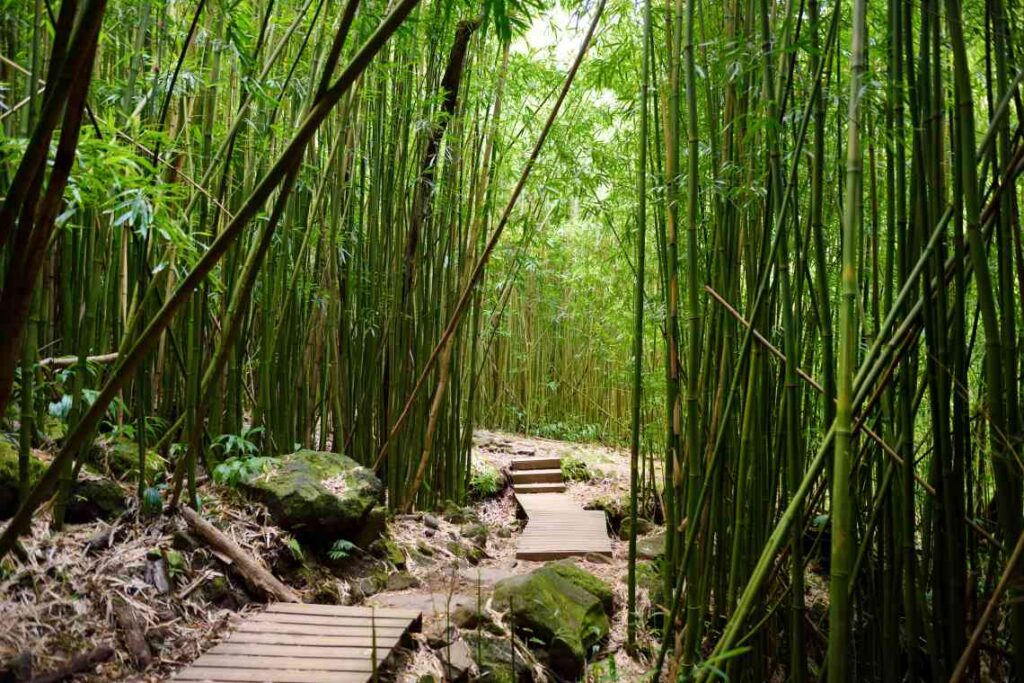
(9, 476)
(119, 457)
(580, 577)
(93, 499)
(548, 609)
(321, 497)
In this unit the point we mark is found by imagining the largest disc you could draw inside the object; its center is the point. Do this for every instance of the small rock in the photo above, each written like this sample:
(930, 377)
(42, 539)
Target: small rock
(400, 581)
(458, 661)
(365, 586)
(440, 635)
(651, 547)
(643, 526)
(431, 521)
(429, 533)
(388, 549)
(470, 618)
(476, 532)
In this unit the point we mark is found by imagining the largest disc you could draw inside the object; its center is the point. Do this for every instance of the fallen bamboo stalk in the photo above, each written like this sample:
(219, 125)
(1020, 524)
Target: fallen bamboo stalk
(68, 361)
(258, 578)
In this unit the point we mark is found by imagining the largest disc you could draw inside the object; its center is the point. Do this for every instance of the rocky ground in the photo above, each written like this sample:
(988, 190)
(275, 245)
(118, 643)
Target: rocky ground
(84, 587)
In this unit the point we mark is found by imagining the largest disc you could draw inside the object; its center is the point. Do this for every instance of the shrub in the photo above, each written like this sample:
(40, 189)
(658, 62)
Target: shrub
(485, 482)
(575, 469)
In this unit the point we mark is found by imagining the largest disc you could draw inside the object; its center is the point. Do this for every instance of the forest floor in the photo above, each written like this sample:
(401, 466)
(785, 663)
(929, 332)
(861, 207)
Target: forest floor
(64, 596)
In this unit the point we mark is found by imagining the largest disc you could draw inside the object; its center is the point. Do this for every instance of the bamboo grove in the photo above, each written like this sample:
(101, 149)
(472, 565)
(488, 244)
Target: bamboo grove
(774, 246)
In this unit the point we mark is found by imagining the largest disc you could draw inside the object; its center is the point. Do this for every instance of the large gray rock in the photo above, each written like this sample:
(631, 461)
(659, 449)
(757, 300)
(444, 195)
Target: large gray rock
(320, 497)
(554, 612)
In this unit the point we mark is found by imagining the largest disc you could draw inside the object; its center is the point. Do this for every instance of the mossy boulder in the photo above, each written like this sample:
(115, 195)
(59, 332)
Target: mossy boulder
(118, 456)
(320, 497)
(651, 547)
(94, 498)
(579, 576)
(9, 476)
(549, 610)
(643, 526)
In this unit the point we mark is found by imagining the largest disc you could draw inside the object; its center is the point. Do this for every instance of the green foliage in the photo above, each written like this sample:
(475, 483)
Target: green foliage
(484, 482)
(238, 445)
(342, 549)
(235, 470)
(575, 468)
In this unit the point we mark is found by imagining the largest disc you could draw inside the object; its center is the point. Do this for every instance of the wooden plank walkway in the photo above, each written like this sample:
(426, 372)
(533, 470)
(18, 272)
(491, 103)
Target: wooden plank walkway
(557, 526)
(300, 643)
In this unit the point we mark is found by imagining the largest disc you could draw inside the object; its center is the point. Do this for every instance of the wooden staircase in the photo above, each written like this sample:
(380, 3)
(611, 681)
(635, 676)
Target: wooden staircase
(557, 527)
(537, 475)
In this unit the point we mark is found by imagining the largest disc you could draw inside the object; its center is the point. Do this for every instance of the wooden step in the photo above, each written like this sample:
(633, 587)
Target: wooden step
(545, 463)
(536, 477)
(550, 487)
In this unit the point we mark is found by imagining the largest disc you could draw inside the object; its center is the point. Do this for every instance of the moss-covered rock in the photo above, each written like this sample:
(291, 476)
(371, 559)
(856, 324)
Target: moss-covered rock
(118, 456)
(9, 476)
(579, 576)
(549, 610)
(320, 497)
(651, 547)
(388, 549)
(94, 498)
(643, 526)
(477, 532)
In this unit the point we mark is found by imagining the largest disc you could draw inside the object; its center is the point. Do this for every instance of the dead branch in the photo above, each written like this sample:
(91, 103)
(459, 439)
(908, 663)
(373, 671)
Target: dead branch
(256, 577)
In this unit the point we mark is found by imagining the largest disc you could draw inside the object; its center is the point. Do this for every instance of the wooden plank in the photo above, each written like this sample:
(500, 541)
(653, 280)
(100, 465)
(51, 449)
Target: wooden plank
(318, 629)
(537, 476)
(381, 619)
(307, 640)
(295, 650)
(230, 661)
(343, 610)
(537, 463)
(298, 643)
(197, 673)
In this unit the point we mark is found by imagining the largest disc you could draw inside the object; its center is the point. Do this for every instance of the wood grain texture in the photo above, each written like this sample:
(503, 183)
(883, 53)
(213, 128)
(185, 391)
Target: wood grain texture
(297, 643)
(557, 526)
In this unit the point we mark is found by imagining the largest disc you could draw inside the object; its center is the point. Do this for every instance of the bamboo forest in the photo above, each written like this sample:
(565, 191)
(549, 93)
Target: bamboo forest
(511, 340)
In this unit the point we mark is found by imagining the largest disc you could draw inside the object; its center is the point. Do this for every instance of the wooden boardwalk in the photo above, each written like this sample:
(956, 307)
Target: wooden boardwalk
(300, 643)
(557, 526)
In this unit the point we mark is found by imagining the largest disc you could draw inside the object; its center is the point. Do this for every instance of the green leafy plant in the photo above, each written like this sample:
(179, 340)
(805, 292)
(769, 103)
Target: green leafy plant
(238, 445)
(233, 471)
(484, 482)
(342, 549)
(296, 549)
(575, 469)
